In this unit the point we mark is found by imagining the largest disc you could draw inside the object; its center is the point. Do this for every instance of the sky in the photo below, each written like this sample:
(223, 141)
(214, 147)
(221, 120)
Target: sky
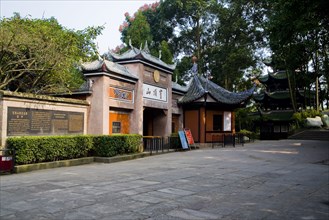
(79, 15)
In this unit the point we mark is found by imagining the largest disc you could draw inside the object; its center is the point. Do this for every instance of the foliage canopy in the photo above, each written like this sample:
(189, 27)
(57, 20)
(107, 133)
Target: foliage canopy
(41, 56)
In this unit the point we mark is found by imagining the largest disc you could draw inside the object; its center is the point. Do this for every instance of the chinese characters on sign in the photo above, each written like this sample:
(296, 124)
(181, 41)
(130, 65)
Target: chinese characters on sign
(27, 121)
(120, 94)
(154, 92)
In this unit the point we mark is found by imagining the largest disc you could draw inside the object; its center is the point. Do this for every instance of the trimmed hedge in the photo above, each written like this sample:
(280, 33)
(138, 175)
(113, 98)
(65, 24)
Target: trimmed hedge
(52, 148)
(49, 148)
(112, 145)
(175, 141)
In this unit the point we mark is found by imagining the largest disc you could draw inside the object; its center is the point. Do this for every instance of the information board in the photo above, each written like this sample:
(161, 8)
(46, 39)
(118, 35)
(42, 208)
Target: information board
(189, 136)
(27, 121)
(183, 139)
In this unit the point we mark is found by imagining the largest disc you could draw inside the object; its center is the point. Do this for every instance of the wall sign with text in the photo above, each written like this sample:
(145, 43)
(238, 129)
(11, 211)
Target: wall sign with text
(154, 92)
(27, 121)
(121, 94)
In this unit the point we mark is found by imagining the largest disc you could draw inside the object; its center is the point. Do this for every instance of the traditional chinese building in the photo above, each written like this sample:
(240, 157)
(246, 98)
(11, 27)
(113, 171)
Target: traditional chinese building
(134, 93)
(275, 106)
(130, 94)
(208, 109)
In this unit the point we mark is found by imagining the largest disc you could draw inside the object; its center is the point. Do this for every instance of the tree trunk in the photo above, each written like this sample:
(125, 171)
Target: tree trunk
(291, 91)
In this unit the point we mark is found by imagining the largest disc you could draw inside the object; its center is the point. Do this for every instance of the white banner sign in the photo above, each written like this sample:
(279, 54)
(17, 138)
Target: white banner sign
(154, 92)
(227, 121)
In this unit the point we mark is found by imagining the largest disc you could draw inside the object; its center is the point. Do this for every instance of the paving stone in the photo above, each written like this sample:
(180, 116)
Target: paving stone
(175, 191)
(191, 214)
(258, 181)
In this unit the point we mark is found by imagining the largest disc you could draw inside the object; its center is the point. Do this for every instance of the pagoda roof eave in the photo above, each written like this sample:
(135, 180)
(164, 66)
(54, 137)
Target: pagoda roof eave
(200, 87)
(107, 66)
(282, 115)
(280, 75)
(136, 54)
(279, 95)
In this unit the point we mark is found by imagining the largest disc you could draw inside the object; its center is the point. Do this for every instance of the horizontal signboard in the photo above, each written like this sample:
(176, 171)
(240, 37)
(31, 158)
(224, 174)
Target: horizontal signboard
(121, 94)
(154, 92)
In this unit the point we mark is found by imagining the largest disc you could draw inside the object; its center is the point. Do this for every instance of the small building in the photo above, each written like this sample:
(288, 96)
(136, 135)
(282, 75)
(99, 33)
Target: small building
(208, 109)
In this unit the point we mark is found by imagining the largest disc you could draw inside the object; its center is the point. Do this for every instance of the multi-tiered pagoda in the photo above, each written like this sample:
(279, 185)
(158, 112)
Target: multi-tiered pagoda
(275, 105)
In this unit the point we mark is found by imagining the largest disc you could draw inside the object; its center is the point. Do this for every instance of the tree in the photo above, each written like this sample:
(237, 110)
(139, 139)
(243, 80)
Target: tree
(41, 56)
(224, 35)
(232, 50)
(298, 33)
(136, 29)
(147, 25)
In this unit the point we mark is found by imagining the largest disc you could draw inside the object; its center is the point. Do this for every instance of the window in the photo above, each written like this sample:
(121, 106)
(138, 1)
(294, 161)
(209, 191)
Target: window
(217, 122)
(284, 128)
(116, 127)
(277, 129)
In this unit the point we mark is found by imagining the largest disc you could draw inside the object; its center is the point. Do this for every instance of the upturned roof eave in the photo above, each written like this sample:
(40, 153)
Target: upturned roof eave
(140, 55)
(197, 90)
(107, 67)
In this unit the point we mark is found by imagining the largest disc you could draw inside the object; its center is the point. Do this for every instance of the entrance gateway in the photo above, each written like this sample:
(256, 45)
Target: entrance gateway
(134, 93)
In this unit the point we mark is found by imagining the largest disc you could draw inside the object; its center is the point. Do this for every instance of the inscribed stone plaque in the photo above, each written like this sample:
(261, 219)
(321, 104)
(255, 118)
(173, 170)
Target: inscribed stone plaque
(27, 121)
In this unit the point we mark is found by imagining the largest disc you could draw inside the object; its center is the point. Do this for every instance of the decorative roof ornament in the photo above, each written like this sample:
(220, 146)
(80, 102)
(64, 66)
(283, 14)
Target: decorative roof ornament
(130, 45)
(195, 65)
(146, 47)
(98, 55)
(160, 54)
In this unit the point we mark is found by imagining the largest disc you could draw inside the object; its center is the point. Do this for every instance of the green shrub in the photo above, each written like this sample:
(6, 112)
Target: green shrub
(175, 141)
(52, 148)
(251, 135)
(300, 117)
(49, 148)
(112, 145)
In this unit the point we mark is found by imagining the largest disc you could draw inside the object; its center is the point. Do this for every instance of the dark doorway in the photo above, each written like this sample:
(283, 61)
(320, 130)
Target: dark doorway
(152, 121)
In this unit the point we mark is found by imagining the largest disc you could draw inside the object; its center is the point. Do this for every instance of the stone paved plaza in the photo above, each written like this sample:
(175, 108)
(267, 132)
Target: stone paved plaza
(284, 179)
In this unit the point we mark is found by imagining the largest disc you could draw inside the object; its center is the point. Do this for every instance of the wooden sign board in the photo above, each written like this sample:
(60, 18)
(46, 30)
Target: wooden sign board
(183, 140)
(189, 136)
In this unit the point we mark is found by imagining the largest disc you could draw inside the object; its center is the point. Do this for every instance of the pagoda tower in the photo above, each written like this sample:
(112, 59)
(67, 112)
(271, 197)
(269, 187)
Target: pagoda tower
(275, 106)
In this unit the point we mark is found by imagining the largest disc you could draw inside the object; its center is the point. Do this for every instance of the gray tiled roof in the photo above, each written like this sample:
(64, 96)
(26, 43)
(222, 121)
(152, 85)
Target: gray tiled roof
(280, 75)
(105, 65)
(135, 53)
(177, 87)
(200, 86)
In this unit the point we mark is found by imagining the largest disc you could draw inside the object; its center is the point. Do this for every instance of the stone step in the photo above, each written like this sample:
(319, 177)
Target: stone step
(322, 135)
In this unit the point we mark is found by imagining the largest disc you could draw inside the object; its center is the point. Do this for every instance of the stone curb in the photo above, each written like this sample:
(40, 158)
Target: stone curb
(120, 158)
(53, 164)
(80, 161)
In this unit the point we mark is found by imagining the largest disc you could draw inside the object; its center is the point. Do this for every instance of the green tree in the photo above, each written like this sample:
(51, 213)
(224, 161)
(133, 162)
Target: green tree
(233, 48)
(224, 35)
(40, 56)
(136, 29)
(148, 24)
(298, 34)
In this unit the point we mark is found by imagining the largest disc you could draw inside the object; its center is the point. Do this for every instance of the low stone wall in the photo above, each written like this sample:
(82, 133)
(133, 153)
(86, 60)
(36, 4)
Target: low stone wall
(54, 164)
(76, 162)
